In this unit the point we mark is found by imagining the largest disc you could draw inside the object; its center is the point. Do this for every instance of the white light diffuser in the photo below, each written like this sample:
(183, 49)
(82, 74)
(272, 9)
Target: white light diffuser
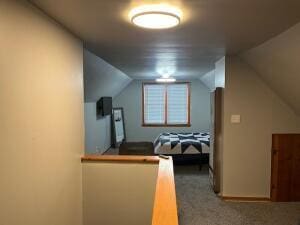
(165, 80)
(155, 16)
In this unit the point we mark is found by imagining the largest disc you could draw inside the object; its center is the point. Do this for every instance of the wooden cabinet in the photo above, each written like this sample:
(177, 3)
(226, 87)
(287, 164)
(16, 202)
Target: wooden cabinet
(285, 177)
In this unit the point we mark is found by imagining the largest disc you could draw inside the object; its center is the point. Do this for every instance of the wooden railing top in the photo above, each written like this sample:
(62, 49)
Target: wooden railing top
(165, 207)
(120, 158)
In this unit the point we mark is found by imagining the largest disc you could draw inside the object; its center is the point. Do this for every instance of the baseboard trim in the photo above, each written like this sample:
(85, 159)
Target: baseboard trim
(245, 199)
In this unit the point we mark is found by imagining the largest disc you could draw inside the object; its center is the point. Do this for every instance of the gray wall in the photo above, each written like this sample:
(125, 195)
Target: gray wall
(97, 131)
(131, 100)
(100, 79)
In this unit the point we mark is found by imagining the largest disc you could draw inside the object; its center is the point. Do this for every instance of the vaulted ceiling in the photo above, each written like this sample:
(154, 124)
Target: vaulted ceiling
(101, 78)
(277, 61)
(209, 29)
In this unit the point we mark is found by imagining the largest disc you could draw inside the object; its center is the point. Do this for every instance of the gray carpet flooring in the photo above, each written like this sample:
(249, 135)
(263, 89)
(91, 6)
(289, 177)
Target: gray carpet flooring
(198, 205)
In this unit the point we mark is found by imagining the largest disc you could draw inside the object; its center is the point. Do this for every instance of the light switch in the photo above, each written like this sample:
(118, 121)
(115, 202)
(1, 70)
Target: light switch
(235, 118)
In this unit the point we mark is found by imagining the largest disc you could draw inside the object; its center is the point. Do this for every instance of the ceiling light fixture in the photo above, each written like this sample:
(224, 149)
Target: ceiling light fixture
(165, 75)
(166, 80)
(158, 16)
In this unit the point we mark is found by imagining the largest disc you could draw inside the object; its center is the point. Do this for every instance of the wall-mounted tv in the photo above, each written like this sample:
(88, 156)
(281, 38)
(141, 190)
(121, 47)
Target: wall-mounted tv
(104, 106)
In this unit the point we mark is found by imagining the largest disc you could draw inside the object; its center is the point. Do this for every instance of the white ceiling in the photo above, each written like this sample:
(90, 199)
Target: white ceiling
(210, 28)
(278, 62)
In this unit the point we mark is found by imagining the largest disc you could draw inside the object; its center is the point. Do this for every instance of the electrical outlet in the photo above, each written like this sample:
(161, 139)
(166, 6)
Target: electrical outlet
(235, 118)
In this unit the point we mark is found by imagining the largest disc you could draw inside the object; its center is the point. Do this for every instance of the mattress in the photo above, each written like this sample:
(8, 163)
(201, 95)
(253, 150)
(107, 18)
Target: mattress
(182, 143)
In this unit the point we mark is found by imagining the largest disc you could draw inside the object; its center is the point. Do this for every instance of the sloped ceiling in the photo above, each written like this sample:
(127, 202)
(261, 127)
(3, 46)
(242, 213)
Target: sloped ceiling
(101, 78)
(208, 80)
(216, 77)
(278, 63)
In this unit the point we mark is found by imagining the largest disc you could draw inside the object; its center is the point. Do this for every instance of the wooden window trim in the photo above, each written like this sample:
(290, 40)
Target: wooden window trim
(188, 124)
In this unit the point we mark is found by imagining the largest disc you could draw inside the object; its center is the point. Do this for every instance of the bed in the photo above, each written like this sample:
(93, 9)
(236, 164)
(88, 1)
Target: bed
(185, 148)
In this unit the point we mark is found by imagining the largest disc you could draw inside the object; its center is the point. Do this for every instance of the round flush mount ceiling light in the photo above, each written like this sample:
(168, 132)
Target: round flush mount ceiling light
(159, 16)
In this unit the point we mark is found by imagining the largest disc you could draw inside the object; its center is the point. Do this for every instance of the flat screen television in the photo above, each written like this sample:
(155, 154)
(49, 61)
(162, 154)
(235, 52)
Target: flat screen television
(104, 106)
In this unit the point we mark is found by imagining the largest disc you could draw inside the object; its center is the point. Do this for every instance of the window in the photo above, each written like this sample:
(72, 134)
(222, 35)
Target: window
(166, 104)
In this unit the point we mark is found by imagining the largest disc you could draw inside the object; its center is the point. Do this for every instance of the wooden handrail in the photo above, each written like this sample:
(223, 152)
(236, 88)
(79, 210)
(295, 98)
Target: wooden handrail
(120, 158)
(165, 207)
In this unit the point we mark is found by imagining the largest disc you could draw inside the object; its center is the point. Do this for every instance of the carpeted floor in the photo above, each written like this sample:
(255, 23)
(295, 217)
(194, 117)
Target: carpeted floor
(198, 205)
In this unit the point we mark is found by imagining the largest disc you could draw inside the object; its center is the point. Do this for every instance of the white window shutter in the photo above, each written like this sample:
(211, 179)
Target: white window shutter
(154, 104)
(178, 95)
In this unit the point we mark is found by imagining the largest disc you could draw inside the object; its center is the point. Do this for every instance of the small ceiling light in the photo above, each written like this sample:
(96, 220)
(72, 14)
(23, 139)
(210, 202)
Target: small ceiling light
(165, 75)
(165, 80)
(159, 16)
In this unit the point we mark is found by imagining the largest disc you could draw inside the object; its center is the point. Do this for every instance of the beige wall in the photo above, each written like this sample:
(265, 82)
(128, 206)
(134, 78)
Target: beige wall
(247, 146)
(41, 119)
(118, 193)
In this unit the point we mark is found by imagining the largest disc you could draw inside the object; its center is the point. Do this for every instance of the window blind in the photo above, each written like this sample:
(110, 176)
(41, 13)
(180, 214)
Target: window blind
(166, 104)
(177, 100)
(154, 104)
